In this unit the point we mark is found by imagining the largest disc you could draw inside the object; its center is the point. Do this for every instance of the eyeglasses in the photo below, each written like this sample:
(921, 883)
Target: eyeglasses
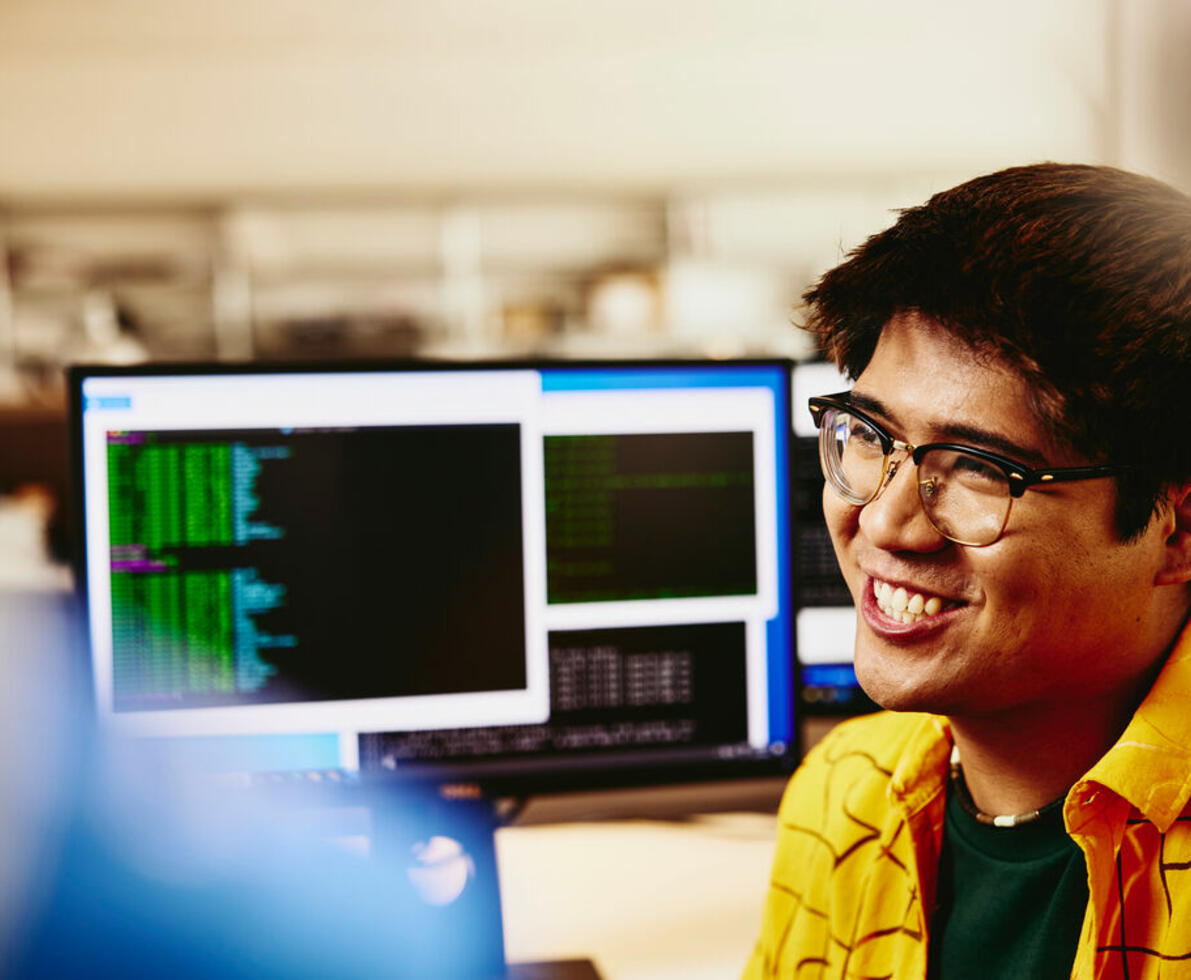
(966, 493)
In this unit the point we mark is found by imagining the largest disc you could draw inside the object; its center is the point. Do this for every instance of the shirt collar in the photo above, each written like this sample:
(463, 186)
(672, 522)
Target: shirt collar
(1150, 764)
(921, 771)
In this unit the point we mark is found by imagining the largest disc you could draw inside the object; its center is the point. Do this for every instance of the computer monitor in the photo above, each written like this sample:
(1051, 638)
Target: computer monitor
(530, 576)
(824, 615)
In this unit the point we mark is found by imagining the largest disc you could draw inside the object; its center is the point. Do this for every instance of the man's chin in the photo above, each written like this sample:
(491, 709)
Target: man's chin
(897, 689)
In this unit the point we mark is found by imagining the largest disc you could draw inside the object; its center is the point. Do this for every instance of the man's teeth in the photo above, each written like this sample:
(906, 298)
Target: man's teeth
(907, 607)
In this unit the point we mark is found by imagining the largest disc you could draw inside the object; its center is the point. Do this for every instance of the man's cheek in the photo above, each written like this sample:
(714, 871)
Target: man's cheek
(841, 525)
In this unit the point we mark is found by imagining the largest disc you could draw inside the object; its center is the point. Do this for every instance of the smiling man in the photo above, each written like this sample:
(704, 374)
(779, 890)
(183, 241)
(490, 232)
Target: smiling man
(1008, 489)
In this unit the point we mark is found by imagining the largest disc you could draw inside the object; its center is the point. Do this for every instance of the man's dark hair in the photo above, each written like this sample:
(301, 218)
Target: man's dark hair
(1078, 277)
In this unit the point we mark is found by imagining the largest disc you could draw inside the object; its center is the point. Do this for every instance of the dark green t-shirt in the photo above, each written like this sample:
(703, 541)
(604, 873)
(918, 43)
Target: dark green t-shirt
(1011, 900)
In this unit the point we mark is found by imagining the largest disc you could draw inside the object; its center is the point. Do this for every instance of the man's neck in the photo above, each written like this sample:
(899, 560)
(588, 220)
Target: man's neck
(1013, 765)
(1019, 760)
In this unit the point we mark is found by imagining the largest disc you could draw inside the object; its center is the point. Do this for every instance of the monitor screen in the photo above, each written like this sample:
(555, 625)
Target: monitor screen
(531, 575)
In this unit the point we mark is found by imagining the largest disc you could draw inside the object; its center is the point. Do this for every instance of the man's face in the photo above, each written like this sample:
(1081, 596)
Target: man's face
(1058, 607)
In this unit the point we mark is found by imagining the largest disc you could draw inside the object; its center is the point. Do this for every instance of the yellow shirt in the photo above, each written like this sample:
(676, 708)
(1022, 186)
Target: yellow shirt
(861, 824)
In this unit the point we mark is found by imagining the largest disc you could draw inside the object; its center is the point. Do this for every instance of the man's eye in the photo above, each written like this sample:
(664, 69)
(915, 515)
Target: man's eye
(862, 434)
(972, 468)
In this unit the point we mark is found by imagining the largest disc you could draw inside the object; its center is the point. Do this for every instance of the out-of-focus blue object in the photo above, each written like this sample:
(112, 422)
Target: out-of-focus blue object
(125, 865)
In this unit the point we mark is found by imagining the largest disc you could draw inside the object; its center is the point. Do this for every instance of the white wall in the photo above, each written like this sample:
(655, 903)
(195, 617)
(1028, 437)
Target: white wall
(1155, 88)
(173, 97)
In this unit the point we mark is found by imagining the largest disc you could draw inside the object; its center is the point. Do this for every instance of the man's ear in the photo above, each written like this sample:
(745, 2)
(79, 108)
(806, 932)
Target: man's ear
(1176, 569)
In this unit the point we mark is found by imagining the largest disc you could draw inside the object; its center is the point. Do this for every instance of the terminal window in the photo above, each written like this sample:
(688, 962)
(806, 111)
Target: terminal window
(649, 516)
(261, 566)
(680, 685)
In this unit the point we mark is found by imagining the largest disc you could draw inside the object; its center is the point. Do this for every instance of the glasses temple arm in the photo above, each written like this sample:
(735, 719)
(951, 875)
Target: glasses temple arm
(1068, 473)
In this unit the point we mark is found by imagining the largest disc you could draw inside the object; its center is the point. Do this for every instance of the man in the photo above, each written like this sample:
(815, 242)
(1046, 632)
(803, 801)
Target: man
(1009, 495)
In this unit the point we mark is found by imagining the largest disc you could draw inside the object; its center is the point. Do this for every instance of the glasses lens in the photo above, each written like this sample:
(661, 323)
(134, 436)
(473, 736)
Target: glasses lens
(966, 497)
(852, 455)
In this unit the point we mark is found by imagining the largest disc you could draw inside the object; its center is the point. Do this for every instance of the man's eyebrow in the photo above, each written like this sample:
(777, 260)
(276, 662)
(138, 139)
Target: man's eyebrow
(971, 435)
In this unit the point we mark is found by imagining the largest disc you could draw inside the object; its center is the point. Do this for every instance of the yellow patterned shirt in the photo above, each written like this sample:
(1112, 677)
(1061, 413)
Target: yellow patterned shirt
(861, 825)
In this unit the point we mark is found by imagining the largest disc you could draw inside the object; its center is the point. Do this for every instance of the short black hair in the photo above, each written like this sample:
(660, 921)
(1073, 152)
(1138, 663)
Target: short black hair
(1078, 277)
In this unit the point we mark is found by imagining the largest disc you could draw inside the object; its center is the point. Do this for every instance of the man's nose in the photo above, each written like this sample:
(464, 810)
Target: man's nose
(894, 520)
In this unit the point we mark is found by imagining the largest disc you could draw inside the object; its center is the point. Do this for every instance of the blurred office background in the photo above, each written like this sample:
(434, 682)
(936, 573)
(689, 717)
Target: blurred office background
(293, 179)
(289, 179)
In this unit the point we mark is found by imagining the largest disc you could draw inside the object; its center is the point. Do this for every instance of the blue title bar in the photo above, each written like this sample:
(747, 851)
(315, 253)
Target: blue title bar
(107, 402)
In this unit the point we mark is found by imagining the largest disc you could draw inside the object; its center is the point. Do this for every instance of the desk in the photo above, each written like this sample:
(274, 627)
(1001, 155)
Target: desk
(643, 899)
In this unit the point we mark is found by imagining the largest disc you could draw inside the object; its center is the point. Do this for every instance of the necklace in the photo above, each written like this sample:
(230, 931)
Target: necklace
(972, 810)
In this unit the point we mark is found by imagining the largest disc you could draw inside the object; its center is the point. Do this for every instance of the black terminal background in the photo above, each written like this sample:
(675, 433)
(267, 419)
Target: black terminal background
(816, 571)
(401, 559)
(680, 541)
(719, 709)
(818, 579)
